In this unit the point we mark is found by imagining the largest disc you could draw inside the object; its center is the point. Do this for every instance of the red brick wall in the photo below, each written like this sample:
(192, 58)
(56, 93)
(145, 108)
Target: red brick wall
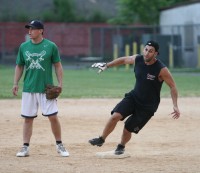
(73, 39)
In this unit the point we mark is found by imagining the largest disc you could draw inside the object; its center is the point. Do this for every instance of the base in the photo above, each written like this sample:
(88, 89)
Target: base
(112, 155)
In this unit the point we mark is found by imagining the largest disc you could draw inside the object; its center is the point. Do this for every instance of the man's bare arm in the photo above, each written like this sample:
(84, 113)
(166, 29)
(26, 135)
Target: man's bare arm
(167, 77)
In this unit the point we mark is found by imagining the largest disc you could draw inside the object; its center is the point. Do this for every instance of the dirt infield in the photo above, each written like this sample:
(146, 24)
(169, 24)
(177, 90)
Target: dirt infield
(164, 145)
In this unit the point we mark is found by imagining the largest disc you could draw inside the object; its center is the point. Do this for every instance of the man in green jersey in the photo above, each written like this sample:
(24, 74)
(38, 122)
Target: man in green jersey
(36, 57)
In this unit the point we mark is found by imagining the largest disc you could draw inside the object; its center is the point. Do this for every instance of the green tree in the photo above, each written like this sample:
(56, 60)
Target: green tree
(97, 16)
(143, 11)
(64, 10)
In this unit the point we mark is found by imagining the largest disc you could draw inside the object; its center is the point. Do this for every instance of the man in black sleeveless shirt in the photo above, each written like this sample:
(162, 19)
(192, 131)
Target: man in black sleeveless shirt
(140, 104)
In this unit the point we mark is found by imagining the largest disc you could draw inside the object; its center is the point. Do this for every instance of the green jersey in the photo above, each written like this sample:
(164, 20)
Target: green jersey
(38, 60)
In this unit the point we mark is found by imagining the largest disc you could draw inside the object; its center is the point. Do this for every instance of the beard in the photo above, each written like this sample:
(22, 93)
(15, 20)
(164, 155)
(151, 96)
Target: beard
(148, 59)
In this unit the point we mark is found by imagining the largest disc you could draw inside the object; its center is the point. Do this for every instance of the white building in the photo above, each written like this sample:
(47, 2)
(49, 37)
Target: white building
(183, 20)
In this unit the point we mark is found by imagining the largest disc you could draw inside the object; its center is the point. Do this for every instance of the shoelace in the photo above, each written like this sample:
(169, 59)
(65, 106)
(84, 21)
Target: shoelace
(24, 148)
(61, 147)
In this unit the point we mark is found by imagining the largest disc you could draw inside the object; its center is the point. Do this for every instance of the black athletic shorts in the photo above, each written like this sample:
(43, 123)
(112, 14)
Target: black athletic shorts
(137, 118)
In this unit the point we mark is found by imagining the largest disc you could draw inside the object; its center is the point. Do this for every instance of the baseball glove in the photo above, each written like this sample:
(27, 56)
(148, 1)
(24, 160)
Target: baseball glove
(52, 92)
(101, 66)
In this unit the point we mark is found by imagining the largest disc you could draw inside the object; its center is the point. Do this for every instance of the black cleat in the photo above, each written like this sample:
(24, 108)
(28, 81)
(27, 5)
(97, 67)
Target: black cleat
(120, 149)
(97, 141)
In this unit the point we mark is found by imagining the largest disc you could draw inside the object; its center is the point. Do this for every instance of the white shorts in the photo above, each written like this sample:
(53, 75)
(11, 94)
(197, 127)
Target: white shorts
(32, 101)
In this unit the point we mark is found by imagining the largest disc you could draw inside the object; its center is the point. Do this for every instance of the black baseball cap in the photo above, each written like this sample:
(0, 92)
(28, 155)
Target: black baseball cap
(153, 44)
(35, 24)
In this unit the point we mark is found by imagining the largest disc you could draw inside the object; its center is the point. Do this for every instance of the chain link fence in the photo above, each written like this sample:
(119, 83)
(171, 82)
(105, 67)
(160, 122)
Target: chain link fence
(179, 45)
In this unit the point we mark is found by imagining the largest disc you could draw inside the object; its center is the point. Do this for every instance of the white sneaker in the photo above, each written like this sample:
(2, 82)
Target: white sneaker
(23, 152)
(61, 150)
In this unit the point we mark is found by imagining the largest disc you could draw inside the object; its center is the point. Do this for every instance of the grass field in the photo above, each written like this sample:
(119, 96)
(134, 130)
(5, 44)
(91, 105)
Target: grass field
(86, 83)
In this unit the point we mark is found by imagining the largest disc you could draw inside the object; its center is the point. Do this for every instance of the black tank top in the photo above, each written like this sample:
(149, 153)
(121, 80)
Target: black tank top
(147, 87)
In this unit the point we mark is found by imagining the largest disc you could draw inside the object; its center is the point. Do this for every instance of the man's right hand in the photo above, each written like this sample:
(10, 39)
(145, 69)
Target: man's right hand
(101, 66)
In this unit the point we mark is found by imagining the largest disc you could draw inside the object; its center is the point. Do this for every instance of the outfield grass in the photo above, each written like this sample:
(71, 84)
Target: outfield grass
(86, 83)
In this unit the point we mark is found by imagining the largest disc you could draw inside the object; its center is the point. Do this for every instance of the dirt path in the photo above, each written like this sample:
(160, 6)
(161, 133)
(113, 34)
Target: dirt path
(164, 145)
